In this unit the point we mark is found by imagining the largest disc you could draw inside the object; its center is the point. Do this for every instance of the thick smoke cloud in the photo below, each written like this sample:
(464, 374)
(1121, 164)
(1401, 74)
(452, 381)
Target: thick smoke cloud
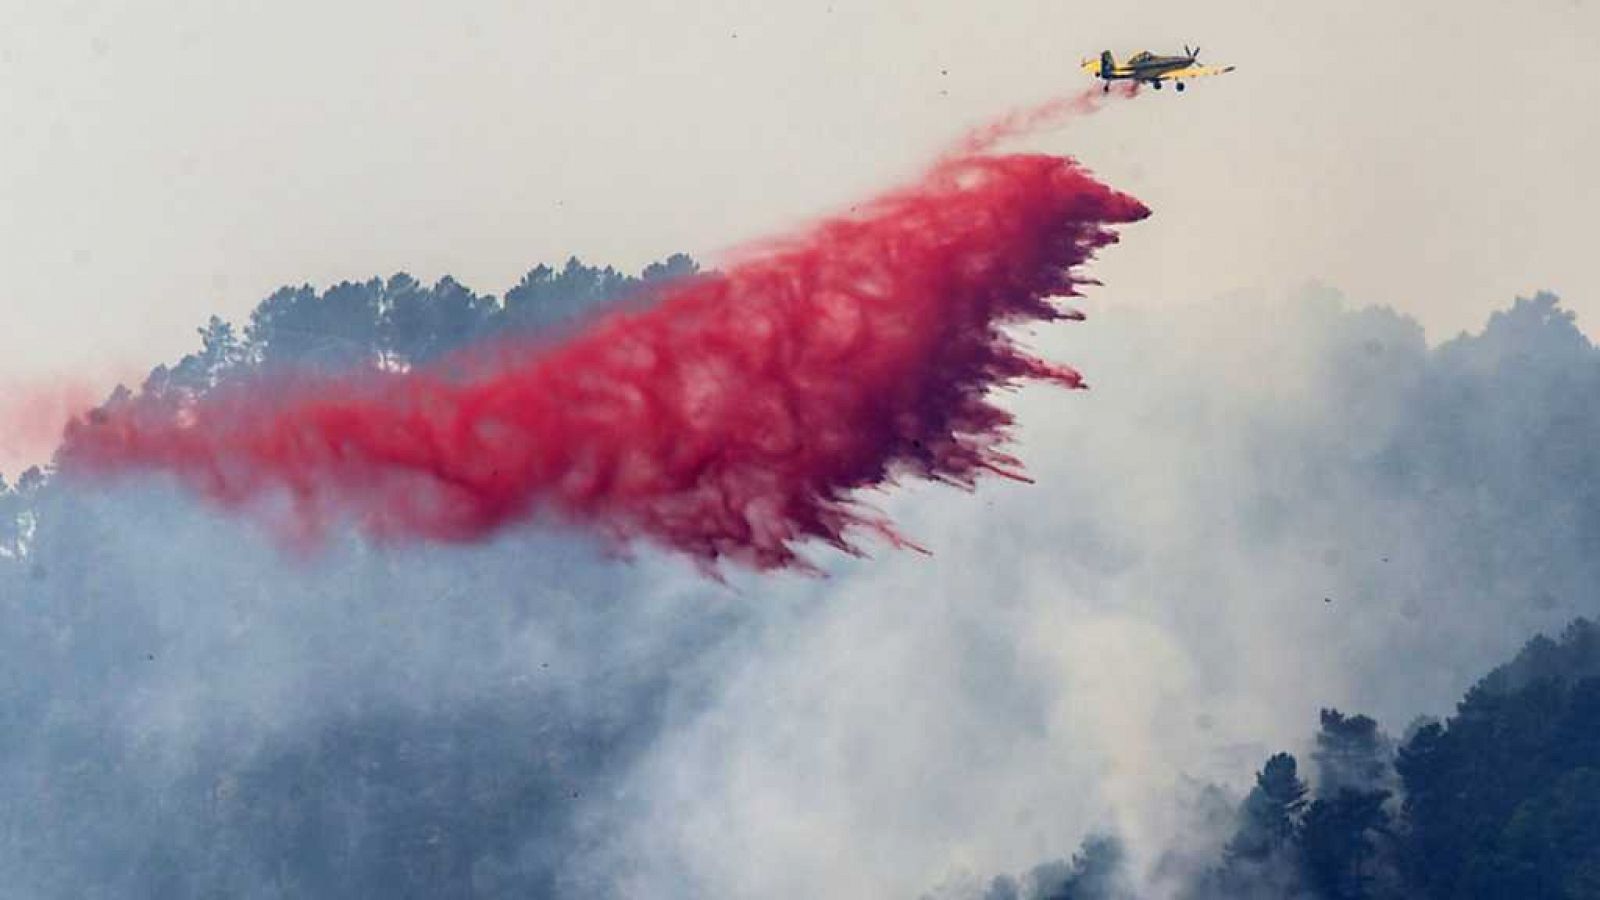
(188, 716)
(1239, 526)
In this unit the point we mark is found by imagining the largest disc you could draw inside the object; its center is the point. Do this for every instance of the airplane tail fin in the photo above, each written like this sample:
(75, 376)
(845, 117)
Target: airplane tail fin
(1107, 63)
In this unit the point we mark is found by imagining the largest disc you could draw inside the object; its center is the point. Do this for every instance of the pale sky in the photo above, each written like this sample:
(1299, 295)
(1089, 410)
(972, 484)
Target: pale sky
(164, 161)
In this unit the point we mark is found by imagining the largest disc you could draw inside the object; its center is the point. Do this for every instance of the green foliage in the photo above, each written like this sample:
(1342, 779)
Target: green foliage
(545, 296)
(1504, 799)
(338, 329)
(401, 322)
(1501, 801)
(1343, 841)
(221, 354)
(1270, 818)
(1350, 753)
(419, 325)
(1097, 872)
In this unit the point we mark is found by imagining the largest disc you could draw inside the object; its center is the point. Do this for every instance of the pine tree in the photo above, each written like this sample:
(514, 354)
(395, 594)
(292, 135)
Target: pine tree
(1270, 817)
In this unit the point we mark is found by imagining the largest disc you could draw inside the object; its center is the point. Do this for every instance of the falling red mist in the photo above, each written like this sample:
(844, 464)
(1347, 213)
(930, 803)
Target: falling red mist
(734, 419)
(32, 415)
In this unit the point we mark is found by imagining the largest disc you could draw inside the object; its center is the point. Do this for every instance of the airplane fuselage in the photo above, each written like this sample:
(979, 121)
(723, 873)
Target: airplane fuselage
(1144, 67)
(1148, 68)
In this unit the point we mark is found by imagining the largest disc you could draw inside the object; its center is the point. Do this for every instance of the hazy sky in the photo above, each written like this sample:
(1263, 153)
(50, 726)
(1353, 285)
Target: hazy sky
(167, 160)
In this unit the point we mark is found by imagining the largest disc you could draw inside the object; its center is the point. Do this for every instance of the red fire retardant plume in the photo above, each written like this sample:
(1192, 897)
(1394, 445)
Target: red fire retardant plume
(732, 420)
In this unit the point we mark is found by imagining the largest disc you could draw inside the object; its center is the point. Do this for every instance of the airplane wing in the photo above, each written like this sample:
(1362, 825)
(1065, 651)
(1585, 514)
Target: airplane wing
(1195, 72)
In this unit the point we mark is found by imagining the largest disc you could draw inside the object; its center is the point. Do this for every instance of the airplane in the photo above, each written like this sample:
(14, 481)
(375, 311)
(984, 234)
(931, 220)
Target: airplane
(1148, 68)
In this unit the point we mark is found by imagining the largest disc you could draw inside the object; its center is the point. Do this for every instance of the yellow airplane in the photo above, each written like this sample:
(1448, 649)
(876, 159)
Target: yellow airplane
(1148, 68)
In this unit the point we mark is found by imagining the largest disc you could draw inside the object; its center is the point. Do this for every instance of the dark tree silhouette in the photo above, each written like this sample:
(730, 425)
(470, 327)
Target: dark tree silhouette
(1502, 800)
(1269, 821)
(1097, 872)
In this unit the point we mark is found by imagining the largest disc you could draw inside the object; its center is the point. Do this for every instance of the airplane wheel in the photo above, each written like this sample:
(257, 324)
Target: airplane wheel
(1156, 85)
(1106, 89)
(1180, 86)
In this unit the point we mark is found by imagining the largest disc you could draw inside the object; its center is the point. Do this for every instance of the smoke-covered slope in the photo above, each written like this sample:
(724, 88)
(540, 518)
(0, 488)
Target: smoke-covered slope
(1256, 512)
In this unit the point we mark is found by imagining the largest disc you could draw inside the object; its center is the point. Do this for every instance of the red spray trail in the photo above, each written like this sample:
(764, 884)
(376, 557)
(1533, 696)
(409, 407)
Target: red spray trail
(732, 420)
(1034, 118)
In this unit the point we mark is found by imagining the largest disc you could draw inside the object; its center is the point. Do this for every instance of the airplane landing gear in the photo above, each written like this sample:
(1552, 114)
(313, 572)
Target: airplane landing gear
(1180, 86)
(1156, 85)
